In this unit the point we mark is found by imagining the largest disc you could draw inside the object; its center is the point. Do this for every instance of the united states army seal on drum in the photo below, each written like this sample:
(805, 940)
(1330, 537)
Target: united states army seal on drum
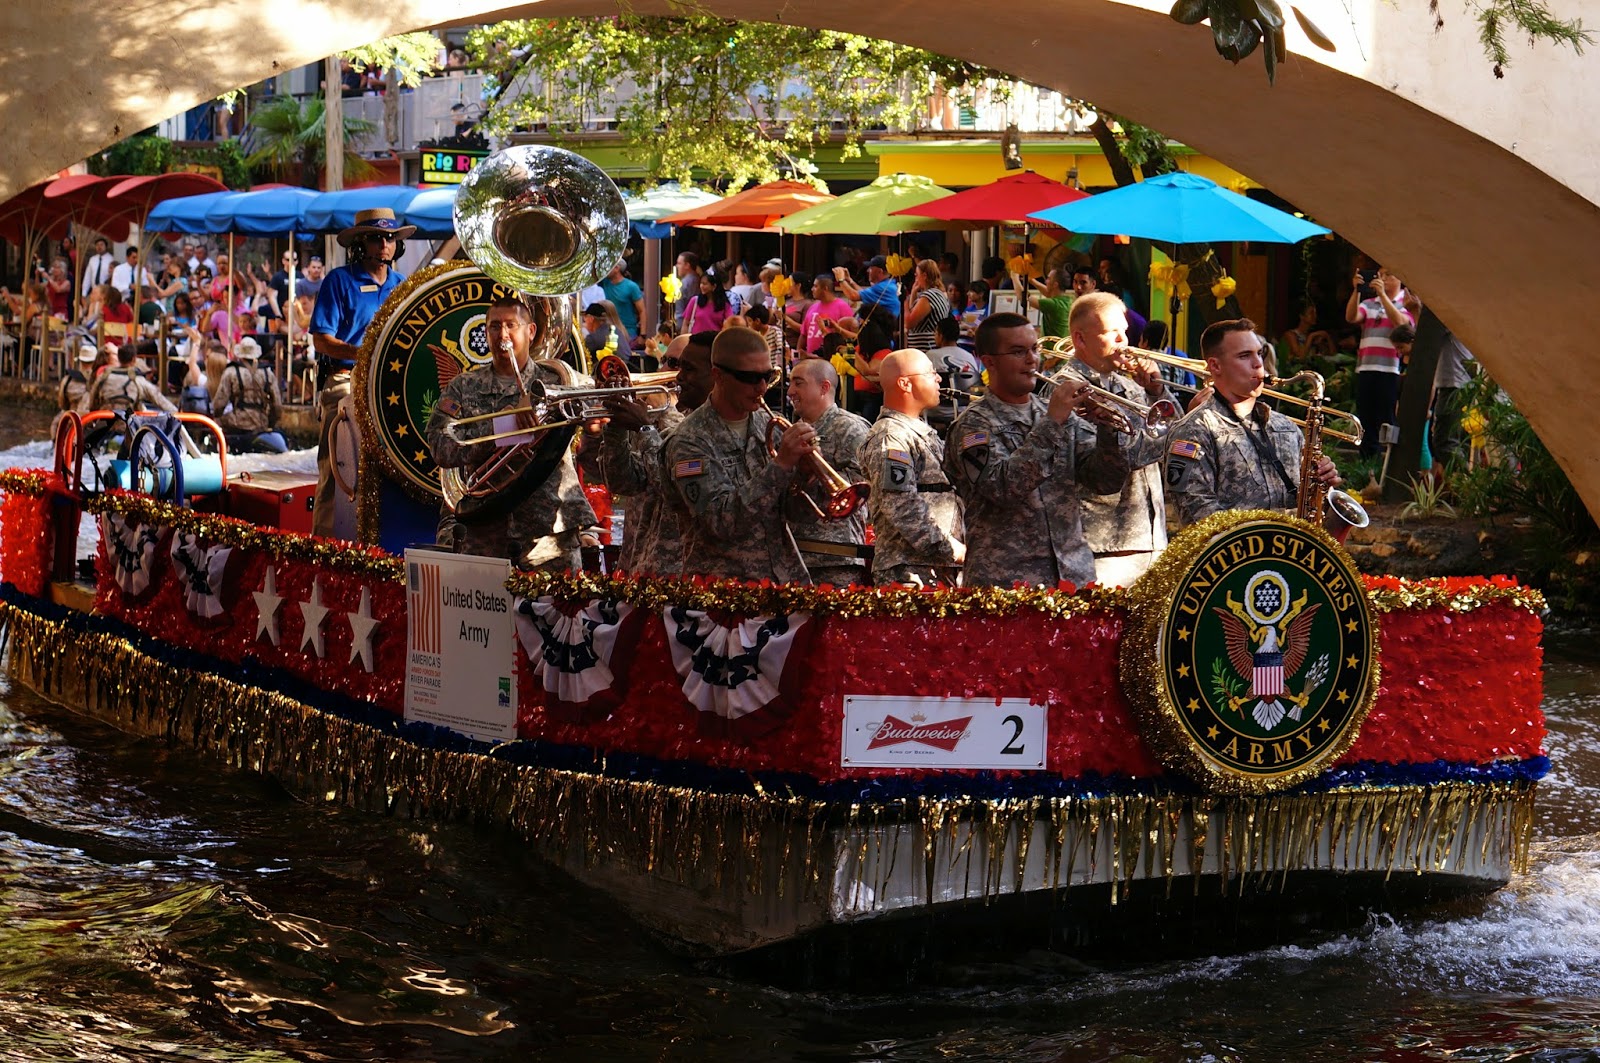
(1264, 657)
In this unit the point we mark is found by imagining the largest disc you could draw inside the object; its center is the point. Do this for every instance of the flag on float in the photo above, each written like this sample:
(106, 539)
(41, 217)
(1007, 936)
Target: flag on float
(740, 675)
(200, 571)
(423, 605)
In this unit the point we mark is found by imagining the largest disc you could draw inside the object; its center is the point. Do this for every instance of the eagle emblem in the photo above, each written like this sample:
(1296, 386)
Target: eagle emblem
(1267, 637)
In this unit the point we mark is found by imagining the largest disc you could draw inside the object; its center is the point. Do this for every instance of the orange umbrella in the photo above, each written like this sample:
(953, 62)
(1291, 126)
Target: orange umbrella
(761, 207)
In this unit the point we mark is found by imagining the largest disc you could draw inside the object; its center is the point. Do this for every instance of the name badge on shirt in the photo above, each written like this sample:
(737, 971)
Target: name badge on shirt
(369, 287)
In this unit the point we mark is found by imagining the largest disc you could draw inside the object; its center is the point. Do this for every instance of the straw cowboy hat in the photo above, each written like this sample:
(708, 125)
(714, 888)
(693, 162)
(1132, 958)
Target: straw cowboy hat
(375, 220)
(87, 352)
(247, 348)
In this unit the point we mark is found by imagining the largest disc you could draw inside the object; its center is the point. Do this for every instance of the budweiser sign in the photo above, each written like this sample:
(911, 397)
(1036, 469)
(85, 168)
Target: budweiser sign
(945, 735)
(891, 731)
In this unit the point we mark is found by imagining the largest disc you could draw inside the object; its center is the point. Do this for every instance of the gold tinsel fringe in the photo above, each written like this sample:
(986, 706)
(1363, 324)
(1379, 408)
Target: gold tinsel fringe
(787, 845)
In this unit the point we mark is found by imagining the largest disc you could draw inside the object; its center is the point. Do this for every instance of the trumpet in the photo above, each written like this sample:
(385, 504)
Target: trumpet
(1198, 368)
(1118, 411)
(844, 497)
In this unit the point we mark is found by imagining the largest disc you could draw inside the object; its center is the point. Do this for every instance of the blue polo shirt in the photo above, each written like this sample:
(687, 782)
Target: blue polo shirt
(885, 293)
(346, 303)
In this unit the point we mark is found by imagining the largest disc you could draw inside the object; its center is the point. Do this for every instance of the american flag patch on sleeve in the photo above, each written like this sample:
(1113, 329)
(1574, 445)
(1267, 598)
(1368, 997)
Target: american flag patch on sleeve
(898, 455)
(687, 468)
(1184, 448)
(974, 439)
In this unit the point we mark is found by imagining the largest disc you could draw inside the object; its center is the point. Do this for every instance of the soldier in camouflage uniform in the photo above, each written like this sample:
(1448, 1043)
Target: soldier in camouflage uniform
(632, 462)
(247, 400)
(1234, 452)
(542, 531)
(916, 514)
(812, 388)
(1125, 528)
(1021, 465)
(718, 465)
(124, 388)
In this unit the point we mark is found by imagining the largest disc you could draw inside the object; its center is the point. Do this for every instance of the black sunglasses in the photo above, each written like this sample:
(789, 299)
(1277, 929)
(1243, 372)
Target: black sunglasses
(751, 376)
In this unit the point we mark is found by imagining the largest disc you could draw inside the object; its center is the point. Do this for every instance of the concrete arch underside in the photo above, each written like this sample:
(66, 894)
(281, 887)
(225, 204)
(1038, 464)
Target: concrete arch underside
(1480, 192)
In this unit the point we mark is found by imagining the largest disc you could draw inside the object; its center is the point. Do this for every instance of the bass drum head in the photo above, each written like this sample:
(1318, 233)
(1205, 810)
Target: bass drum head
(541, 460)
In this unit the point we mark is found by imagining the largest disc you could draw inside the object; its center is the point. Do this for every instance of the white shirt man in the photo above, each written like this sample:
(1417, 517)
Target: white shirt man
(122, 276)
(97, 269)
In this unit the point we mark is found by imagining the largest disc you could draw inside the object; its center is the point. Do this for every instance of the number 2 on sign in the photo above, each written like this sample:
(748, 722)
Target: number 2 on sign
(1011, 746)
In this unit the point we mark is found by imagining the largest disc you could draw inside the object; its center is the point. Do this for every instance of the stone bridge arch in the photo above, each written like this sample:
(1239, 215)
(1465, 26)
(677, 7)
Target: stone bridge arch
(1481, 192)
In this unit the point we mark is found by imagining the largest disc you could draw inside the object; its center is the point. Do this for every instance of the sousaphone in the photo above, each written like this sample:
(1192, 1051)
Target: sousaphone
(548, 223)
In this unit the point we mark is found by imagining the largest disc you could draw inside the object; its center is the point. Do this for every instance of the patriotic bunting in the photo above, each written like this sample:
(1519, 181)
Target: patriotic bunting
(131, 549)
(740, 676)
(200, 571)
(580, 653)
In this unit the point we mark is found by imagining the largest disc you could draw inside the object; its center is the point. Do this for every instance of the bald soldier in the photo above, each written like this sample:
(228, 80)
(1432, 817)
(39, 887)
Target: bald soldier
(812, 387)
(730, 487)
(916, 514)
(631, 461)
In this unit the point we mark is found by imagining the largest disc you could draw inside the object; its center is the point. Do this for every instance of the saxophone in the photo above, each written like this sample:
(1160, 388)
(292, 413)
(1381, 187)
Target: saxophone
(1330, 508)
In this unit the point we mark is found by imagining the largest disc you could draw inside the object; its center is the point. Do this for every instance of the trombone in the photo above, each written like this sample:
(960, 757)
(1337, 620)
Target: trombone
(562, 407)
(1199, 369)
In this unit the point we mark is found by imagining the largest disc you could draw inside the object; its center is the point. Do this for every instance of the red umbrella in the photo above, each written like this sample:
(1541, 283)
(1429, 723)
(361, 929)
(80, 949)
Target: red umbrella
(761, 207)
(1010, 199)
(151, 189)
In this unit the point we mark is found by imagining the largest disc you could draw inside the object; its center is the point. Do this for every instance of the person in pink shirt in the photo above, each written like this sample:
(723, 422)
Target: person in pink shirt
(708, 311)
(828, 306)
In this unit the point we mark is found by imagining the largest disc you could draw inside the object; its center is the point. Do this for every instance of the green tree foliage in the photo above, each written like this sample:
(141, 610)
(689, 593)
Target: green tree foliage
(143, 153)
(704, 96)
(285, 131)
(410, 56)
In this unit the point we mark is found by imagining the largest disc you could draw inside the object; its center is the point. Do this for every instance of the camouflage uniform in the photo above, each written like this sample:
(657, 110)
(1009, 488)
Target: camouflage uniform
(253, 392)
(1132, 520)
(1019, 473)
(733, 493)
(840, 435)
(542, 532)
(916, 514)
(125, 389)
(631, 465)
(1213, 465)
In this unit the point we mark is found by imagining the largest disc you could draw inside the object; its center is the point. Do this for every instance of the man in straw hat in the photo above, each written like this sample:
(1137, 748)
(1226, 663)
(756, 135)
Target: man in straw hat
(73, 391)
(349, 297)
(248, 401)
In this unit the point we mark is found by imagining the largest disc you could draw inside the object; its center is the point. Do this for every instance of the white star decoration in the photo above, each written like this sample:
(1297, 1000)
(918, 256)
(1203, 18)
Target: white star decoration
(268, 602)
(362, 628)
(314, 614)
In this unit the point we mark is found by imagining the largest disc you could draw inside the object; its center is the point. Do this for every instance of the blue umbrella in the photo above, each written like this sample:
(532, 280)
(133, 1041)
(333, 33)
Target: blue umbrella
(1180, 208)
(264, 212)
(333, 212)
(431, 212)
(185, 214)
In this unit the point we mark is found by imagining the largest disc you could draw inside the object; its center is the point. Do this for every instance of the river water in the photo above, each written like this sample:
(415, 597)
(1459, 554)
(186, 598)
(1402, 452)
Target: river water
(155, 907)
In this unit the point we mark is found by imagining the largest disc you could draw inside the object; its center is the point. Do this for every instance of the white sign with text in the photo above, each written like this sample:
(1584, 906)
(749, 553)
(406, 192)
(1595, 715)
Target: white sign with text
(461, 644)
(889, 731)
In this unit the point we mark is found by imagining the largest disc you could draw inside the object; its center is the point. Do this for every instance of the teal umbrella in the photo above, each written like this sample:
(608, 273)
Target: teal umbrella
(1180, 208)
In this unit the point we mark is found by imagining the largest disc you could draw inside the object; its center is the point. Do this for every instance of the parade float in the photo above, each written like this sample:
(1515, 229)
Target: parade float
(741, 765)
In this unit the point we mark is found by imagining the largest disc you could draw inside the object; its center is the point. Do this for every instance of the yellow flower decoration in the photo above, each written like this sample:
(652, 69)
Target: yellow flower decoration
(780, 286)
(844, 366)
(1223, 289)
(1239, 185)
(1022, 264)
(898, 265)
(670, 288)
(1169, 278)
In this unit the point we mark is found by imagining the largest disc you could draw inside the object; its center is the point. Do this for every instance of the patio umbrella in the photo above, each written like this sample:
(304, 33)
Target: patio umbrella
(1010, 199)
(1180, 208)
(333, 212)
(431, 212)
(185, 214)
(873, 209)
(645, 211)
(761, 207)
(260, 211)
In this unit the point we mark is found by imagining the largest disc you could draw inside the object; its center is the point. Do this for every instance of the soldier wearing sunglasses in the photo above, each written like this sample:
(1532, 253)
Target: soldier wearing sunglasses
(731, 488)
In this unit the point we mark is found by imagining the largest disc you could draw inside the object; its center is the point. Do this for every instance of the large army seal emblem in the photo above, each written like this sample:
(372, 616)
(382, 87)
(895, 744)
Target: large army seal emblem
(430, 329)
(1251, 652)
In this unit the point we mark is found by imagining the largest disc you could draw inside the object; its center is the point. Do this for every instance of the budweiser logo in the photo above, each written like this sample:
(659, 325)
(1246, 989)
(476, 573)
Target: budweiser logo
(945, 735)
